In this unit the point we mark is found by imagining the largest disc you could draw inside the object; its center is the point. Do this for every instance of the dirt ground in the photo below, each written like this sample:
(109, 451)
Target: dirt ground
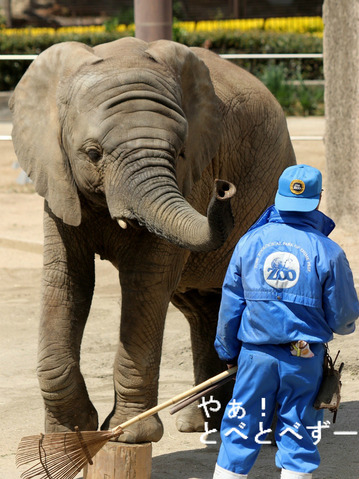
(177, 455)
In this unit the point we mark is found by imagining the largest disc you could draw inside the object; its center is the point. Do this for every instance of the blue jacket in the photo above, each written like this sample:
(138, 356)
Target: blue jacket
(286, 281)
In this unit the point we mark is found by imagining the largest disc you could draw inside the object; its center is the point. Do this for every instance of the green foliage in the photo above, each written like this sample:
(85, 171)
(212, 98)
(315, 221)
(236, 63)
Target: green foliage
(219, 15)
(12, 71)
(2, 20)
(311, 99)
(177, 10)
(259, 41)
(295, 96)
(274, 78)
(276, 74)
(125, 16)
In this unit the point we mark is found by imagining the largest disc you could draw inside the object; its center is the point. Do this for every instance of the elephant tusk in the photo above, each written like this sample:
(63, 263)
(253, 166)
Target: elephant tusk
(122, 224)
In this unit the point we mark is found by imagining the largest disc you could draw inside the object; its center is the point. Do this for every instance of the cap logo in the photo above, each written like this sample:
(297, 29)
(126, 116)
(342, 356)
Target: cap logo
(297, 187)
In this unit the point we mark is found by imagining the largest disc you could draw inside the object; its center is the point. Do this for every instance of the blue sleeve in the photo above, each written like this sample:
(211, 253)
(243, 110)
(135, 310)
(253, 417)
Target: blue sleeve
(232, 305)
(340, 300)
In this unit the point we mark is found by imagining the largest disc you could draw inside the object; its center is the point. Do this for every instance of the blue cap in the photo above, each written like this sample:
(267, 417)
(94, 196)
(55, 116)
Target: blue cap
(299, 189)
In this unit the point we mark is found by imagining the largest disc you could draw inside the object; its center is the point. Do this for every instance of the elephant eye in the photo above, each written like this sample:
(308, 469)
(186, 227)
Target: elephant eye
(94, 154)
(182, 153)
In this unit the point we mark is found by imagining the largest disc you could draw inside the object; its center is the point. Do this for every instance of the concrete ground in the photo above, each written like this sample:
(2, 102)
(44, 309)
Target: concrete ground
(176, 456)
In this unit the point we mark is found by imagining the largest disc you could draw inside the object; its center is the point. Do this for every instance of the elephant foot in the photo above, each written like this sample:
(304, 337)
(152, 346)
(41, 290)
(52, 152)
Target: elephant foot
(85, 419)
(145, 430)
(190, 419)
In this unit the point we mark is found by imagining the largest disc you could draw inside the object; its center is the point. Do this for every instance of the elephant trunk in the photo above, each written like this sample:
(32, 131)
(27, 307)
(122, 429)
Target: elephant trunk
(156, 203)
(182, 225)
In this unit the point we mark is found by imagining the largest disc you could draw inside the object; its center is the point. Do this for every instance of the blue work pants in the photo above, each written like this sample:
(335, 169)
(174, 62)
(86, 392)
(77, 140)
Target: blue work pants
(269, 376)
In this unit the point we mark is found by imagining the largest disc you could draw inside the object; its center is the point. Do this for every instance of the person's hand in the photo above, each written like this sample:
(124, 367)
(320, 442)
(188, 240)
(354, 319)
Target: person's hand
(230, 366)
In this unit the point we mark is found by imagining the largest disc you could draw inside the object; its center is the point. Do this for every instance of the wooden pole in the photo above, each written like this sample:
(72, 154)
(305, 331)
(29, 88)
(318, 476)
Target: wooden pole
(8, 13)
(153, 19)
(235, 8)
(117, 460)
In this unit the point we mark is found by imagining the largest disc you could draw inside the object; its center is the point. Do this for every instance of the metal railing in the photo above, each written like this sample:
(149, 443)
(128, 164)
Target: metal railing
(265, 56)
(293, 138)
(18, 57)
(228, 56)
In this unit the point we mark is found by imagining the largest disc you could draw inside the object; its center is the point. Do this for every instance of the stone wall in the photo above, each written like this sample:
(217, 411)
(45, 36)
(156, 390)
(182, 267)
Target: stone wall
(341, 72)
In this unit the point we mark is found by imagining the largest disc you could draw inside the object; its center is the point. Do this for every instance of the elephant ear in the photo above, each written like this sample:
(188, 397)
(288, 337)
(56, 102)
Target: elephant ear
(200, 105)
(37, 131)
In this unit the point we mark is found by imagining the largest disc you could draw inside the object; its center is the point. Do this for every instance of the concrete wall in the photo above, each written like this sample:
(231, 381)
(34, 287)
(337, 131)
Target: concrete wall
(341, 71)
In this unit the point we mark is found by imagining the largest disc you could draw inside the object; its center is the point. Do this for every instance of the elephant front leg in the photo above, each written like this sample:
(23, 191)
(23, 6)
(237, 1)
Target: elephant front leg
(148, 276)
(136, 371)
(68, 282)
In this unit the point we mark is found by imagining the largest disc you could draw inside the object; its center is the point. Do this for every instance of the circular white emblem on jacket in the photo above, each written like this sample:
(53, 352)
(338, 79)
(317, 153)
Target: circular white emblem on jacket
(281, 270)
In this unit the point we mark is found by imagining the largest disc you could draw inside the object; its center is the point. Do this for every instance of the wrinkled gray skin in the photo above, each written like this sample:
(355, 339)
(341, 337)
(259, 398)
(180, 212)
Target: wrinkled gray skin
(139, 132)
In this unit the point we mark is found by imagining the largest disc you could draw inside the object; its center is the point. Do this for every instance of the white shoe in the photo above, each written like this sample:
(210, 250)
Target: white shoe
(286, 474)
(220, 473)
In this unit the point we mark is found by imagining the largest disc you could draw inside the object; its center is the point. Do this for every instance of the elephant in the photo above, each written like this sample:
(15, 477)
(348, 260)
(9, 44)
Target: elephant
(156, 157)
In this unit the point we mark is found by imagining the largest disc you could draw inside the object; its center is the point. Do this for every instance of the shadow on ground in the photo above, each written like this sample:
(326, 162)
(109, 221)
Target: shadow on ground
(338, 446)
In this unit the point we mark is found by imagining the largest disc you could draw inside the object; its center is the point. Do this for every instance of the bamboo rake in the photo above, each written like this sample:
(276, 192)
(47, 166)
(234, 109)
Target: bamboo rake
(63, 455)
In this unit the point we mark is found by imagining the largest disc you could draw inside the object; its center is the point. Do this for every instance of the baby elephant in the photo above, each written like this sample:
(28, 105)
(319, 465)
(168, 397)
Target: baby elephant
(138, 149)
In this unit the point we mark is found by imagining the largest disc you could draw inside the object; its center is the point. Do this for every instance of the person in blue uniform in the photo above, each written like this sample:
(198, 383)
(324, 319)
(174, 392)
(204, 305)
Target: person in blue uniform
(287, 289)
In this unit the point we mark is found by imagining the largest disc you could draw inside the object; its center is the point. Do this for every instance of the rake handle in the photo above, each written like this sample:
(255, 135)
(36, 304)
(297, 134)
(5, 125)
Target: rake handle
(186, 402)
(175, 399)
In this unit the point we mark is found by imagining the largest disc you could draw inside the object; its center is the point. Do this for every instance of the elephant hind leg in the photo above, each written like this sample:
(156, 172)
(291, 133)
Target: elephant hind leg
(201, 310)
